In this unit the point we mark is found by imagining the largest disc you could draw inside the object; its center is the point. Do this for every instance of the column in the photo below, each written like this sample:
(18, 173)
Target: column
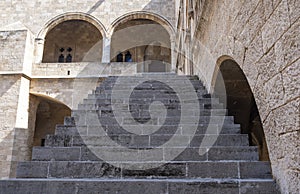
(39, 50)
(106, 50)
(173, 53)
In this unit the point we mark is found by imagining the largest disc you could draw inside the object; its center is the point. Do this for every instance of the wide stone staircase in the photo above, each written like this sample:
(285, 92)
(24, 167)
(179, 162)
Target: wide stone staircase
(149, 133)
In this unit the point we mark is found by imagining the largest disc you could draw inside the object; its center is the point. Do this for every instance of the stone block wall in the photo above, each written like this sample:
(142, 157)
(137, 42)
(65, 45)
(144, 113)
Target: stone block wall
(16, 54)
(12, 47)
(83, 69)
(16, 123)
(263, 38)
(35, 14)
(9, 93)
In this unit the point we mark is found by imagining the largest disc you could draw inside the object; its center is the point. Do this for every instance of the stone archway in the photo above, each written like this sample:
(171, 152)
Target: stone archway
(72, 41)
(240, 102)
(71, 29)
(48, 114)
(137, 33)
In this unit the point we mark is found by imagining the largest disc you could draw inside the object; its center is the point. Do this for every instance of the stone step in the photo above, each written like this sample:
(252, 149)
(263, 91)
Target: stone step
(93, 98)
(203, 112)
(123, 93)
(151, 79)
(141, 82)
(119, 100)
(149, 85)
(147, 77)
(70, 129)
(152, 186)
(150, 76)
(94, 94)
(156, 80)
(92, 118)
(174, 120)
(99, 169)
(224, 153)
(143, 104)
(125, 115)
(183, 154)
(138, 90)
(190, 106)
(145, 141)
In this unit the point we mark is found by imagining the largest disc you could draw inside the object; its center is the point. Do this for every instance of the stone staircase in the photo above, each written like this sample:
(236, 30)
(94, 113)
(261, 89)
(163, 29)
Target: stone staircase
(150, 133)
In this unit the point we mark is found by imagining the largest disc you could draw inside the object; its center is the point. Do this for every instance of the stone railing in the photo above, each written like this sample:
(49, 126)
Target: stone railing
(83, 69)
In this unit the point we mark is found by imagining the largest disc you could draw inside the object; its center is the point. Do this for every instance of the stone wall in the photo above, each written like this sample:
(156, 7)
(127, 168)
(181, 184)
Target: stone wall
(263, 38)
(68, 91)
(83, 69)
(16, 53)
(23, 136)
(9, 94)
(12, 47)
(16, 123)
(35, 14)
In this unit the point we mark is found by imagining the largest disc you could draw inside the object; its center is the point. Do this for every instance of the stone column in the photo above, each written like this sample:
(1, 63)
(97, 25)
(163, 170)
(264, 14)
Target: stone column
(173, 53)
(106, 50)
(39, 50)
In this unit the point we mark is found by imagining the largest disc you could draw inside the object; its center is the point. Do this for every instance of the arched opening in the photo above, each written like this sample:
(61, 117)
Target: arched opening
(49, 113)
(147, 41)
(241, 104)
(73, 41)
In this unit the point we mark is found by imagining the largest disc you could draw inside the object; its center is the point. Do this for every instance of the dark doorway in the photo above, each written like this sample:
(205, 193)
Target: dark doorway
(49, 114)
(241, 104)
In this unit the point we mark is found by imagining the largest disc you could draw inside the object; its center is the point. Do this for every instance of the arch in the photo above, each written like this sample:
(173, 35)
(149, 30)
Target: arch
(43, 96)
(49, 113)
(143, 15)
(71, 16)
(220, 60)
(156, 28)
(239, 101)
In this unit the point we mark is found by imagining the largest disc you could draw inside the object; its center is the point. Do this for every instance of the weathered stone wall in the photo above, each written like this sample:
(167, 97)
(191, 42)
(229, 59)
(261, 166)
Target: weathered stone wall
(16, 49)
(23, 136)
(16, 55)
(16, 126)
(12, 47)
(71, 70)
(35, 14)
(9, 93)
(69, 91)
(263, 38)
